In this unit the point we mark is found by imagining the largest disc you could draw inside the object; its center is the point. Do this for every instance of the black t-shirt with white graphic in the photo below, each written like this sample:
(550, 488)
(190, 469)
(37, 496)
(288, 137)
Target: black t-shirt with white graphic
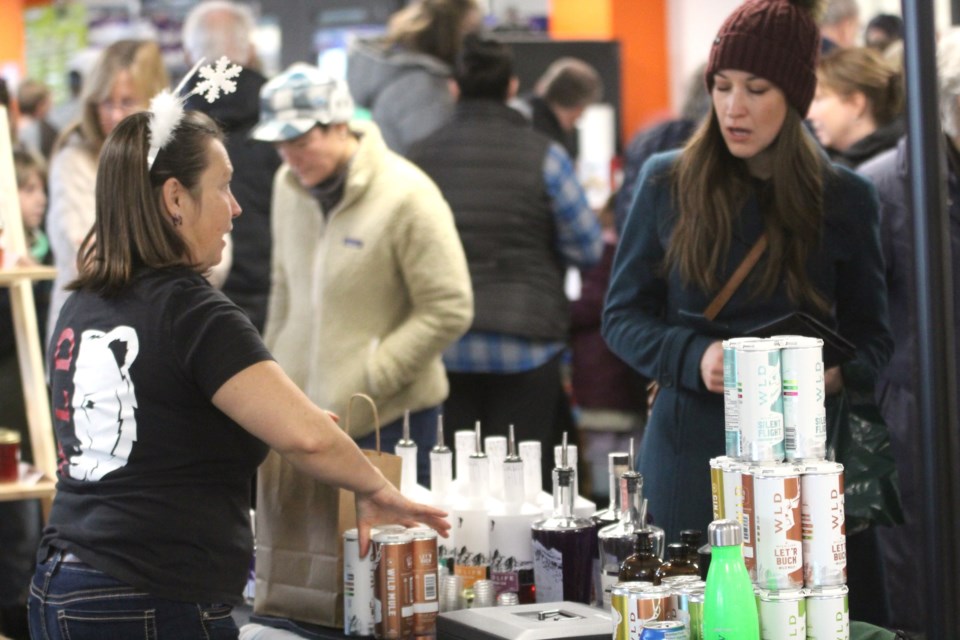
(153, 480)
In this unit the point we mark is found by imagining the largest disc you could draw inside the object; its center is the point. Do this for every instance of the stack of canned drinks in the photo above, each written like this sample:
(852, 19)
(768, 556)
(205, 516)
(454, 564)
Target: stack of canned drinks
(776, 482)
(392, 592)
(672, 610)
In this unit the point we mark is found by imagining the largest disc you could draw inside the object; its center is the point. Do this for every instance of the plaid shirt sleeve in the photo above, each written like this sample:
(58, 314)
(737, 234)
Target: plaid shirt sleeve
(579, 238)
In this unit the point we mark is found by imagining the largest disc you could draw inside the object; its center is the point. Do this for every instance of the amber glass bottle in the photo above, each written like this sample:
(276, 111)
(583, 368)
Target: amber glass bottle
(678, 563)
(643, 564)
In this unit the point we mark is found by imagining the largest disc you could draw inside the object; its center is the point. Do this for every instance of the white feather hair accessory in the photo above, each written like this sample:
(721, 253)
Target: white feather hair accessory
(166, 108)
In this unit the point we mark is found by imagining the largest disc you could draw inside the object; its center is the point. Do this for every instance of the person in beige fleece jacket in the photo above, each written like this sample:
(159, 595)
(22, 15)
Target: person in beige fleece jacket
(369, 278)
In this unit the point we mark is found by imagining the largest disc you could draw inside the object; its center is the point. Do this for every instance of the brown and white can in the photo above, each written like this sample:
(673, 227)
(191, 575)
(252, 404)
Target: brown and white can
(634, 603)
(426, 603)
(828, 614)
(748, 525)
(357, 587)
(824, 525)
(393, 585)
(783, 614)
(779, 543)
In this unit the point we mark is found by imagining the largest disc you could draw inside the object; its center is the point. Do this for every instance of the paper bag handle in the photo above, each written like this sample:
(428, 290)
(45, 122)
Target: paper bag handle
(376, 416)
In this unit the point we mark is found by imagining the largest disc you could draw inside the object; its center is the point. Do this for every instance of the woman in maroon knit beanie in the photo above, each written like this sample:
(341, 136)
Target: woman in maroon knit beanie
(751, 169)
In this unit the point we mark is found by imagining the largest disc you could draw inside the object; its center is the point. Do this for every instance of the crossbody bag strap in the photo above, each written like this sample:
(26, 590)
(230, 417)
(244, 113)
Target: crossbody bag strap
(749, 261)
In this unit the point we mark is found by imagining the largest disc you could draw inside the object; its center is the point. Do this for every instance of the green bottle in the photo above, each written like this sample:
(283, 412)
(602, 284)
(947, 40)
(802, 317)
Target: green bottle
(729, 605)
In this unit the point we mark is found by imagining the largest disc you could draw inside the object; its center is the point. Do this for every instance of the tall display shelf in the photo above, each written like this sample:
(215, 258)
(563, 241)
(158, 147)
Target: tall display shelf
(19, 280)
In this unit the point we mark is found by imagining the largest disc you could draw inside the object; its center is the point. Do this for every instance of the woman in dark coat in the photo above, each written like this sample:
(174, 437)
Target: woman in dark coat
(750, 168)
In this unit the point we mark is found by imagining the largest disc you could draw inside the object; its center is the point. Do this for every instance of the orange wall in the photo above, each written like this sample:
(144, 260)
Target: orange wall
(641, 28)
(11, 32)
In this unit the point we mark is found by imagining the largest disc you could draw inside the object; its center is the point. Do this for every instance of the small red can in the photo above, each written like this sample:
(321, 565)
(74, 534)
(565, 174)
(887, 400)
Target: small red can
(9, 455)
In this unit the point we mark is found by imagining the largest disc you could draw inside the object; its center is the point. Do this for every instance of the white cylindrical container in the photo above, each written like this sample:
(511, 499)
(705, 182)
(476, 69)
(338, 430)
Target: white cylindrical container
(717, 492)
(732, 473)
(804, 415)
(824, 525)
(779, 543)
(357, 587)
(828, 614)
(783, 615)
(761, 401)
(731, 400)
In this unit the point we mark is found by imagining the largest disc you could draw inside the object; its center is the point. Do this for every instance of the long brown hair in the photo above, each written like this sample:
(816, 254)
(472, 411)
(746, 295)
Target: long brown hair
(132, 228)
(143, 60)
(711, 186)
(434, 27)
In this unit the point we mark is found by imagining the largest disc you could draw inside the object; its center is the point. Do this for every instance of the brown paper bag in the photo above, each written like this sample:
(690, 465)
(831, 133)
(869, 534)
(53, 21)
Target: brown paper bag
(300, 525)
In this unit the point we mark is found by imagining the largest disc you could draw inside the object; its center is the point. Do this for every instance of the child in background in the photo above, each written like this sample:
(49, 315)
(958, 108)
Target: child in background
(20, 520)
(610, 396)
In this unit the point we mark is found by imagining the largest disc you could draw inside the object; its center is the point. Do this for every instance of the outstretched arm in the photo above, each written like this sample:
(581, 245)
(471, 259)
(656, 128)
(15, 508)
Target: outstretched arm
(265, 402)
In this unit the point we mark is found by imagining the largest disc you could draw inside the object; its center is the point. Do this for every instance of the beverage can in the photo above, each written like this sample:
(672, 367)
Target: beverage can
(732, 473)
(426, 602)
(824, 525)
(804, 414)
(779, 543)
(759, 391)
(694, 614)
(664, 630)
(393, 585)
(748, 524)
(632, 604)
(731, 405)
(717, 492)
(828, 614)
(357, 587)
(783, 614)
(9, 455)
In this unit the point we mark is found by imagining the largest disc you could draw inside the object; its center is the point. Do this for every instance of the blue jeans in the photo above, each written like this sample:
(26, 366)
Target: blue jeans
(423, 431)
(74, 601)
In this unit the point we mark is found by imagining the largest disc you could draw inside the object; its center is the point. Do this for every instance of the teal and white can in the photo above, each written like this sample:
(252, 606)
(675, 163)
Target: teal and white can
(664, 630)
(760, 393)
(804, 415)
(731, 409)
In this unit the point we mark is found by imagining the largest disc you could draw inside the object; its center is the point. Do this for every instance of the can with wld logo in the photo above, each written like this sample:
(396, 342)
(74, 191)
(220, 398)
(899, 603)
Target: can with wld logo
(731, 404)
(779, 542)
(804, 415)
(393, 585)
(828, 614)
(426, 602)
(783, 614)
(824, 525)
(759, 389)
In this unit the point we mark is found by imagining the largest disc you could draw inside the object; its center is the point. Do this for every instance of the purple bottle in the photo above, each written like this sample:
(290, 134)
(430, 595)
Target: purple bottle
(564, 546)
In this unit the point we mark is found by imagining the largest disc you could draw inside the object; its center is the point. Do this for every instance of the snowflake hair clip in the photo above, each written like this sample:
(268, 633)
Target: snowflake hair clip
(167, 106)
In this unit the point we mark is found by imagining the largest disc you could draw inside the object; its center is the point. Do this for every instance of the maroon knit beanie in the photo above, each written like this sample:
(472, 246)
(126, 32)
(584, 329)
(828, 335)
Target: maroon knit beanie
(777, 40)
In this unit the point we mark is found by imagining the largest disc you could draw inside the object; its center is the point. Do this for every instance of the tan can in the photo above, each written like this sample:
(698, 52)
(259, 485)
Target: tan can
(748, 523)
(717, 488)
(733, 490)
(426, 603)
(393, 585)
(828, 614)
(632, 604)
(824, 525)
(783, 615)
(779, 543)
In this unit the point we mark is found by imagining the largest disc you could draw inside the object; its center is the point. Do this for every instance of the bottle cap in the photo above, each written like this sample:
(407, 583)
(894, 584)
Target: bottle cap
(724, 533)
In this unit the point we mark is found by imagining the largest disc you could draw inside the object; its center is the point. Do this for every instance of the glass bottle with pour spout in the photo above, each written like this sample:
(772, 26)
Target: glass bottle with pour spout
(441, 490)
(563, 545)
(470, 517)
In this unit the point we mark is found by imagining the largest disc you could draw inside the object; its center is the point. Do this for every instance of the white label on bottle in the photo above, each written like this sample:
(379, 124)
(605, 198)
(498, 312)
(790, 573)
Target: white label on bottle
(607, 581)
(547, 573)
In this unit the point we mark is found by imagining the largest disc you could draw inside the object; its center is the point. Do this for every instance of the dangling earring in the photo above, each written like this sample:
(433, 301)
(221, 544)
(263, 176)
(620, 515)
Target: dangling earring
(177, 219)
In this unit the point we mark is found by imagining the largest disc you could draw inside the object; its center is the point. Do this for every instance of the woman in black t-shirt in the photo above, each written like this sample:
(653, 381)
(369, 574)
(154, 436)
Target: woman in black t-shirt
(165, 402)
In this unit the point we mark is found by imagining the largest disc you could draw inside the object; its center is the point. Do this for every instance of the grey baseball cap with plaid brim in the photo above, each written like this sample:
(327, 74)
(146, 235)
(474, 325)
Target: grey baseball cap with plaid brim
(297, 100)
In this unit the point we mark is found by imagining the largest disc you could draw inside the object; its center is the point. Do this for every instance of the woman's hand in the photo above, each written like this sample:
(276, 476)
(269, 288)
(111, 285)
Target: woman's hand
(387, 506)
(711, 367)
(832, 381)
